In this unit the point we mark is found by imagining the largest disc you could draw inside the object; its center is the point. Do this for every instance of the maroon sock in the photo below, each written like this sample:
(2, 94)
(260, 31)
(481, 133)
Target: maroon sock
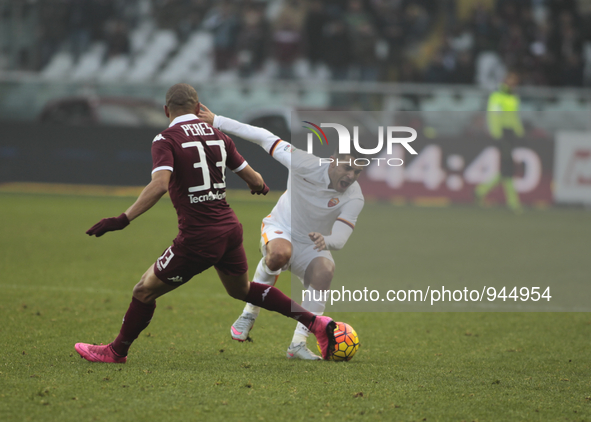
(272, 299)
(136, 319)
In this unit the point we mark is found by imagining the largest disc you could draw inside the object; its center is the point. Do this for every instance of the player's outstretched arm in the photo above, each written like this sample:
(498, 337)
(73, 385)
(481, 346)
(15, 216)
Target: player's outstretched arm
(254, 180)
(279, 149)
(254, 134)
(149, 196)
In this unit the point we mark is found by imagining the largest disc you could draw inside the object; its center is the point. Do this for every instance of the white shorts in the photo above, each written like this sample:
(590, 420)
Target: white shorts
(302, 253)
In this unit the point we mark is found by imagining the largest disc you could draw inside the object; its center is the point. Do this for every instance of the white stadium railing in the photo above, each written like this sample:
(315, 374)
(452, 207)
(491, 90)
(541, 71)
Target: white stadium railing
(23, 95)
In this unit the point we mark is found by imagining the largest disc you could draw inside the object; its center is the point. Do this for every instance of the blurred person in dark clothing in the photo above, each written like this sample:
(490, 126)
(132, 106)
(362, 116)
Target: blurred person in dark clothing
(52, 28)
(79, 24)
(389, 23)
(117, 38)
(287, 37)
(337, 55)
(101, 11)
(192, 14)
(488, 29)
(287, 45)
(556, 7)
(363, 53)
(529, 25)
(169, 13)
(337, 49)
(513, 45)
(252, 41)
(465, 72)
(438, 72)
(364, 38)
(416, 23)
(313, 32)
(569, 41)
(356, 16)
(366, 64)
(573, 71)
(509, 11)
(409, 72)
(567, 48)
(223, 22)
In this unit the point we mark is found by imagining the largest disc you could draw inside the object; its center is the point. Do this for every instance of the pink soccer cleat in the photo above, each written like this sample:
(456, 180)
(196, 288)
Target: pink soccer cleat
(103, 353)
(323, 328)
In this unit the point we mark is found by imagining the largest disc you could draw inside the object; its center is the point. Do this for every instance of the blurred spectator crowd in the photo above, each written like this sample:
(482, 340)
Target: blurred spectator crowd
(443, 41)
(544, 40)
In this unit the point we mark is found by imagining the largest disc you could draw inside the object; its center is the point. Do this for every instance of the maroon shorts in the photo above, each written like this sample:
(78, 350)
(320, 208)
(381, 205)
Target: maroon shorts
(181, 262)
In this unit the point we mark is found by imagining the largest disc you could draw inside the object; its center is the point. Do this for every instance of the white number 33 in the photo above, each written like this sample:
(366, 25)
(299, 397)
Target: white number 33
(202, 164)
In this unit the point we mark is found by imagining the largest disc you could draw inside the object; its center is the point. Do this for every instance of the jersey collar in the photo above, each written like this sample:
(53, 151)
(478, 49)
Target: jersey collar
(183, 118)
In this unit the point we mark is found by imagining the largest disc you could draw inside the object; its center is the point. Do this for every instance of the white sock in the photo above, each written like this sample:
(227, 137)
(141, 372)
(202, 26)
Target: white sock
(315, 306)
(265, 276)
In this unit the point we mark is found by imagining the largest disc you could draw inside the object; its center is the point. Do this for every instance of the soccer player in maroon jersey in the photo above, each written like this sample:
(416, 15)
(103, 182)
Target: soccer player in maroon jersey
(189, 161)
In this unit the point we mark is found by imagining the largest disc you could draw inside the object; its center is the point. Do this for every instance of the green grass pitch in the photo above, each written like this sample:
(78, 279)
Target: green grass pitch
(60, 287)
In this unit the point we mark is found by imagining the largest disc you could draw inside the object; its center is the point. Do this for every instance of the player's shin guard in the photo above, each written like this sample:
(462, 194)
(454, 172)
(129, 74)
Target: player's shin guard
(273, 299)
(315, 302)
(136, 319)
(262, 275)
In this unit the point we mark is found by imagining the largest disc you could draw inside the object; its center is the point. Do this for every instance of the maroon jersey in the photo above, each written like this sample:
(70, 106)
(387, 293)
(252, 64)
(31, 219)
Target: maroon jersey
(197, 154)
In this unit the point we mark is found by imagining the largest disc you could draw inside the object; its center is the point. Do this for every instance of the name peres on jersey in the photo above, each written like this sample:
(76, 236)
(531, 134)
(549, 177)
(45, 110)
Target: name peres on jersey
(197, 129)
(197, 155)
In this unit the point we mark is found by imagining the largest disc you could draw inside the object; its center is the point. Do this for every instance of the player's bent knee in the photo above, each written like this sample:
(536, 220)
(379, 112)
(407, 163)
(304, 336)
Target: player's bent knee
(236, 286)
(319, 273)
(278, 254)
(324, 267)
(140, 292)
(143, 293)
(240, 295)
(149, 288)
(236, 292)
(277, 259)
(330, 269)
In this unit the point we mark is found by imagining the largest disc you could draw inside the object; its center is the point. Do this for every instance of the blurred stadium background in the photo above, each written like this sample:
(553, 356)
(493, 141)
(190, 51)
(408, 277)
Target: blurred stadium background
(69, 64)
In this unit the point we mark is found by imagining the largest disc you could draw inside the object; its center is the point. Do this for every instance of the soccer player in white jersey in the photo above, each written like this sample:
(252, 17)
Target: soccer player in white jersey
(315, 215)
